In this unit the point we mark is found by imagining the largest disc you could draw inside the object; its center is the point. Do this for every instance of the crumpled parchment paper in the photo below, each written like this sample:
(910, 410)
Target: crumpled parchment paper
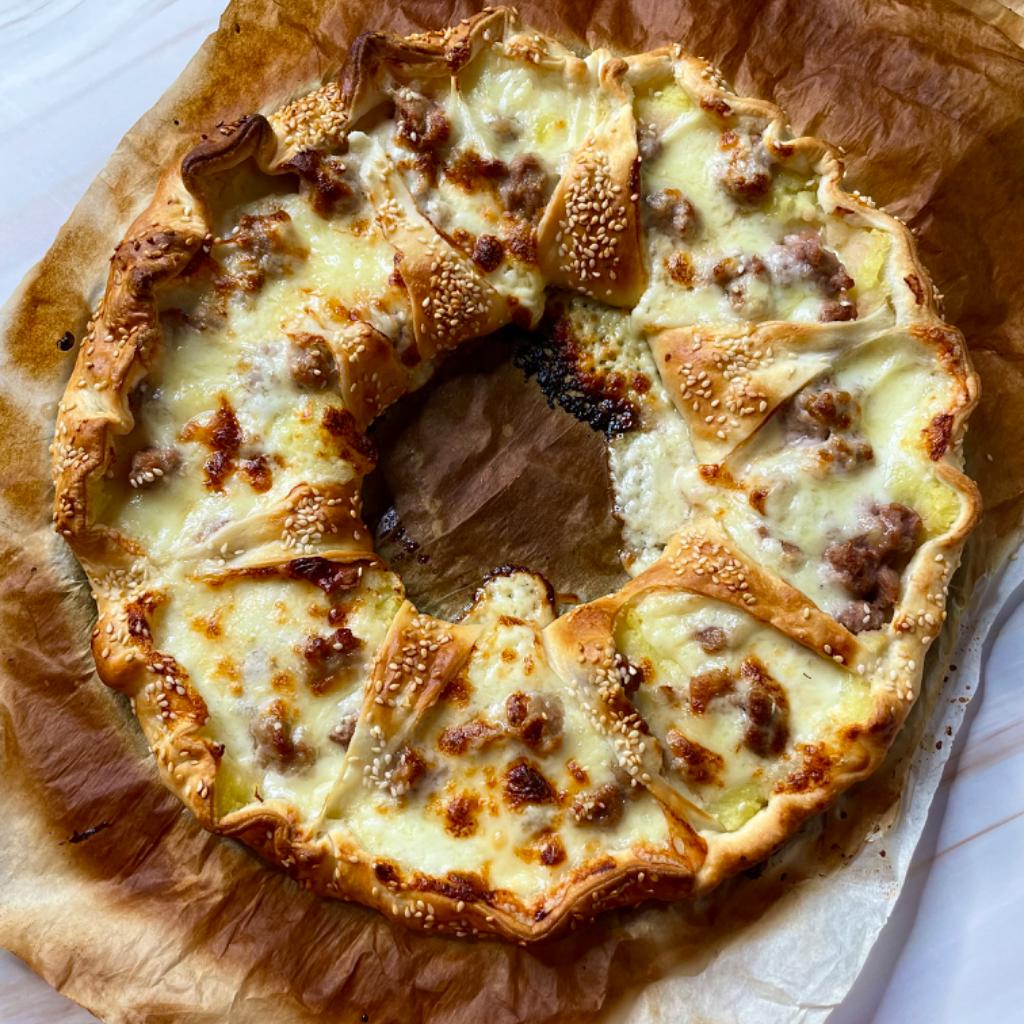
(110, 890)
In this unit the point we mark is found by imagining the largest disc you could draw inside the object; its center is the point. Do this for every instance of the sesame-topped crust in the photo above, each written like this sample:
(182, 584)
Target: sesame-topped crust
(784, 448)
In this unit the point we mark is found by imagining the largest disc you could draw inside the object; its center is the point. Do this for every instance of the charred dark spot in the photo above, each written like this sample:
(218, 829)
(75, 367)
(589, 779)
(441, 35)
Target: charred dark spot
(715, 105)
(458, 54)
(138, 626)
(343, 732)
(488, 253)
(552, 851)
(66, 342)
(457, 885)
(330, 577)
(326, 177)
(353, 445)
(913, 282)
(391, 529)
(257, 473)
(217, 468)
(386, 873)
(223, 435)
(525, 784)
(937, 435)
(88, 833)
(601, 400)
(631, 675)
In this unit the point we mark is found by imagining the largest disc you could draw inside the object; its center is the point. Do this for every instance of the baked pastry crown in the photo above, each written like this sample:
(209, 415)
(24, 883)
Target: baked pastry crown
(786, 412)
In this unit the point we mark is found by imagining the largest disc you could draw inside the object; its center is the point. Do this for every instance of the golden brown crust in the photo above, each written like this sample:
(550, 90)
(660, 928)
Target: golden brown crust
(589, 236)
(451, 302)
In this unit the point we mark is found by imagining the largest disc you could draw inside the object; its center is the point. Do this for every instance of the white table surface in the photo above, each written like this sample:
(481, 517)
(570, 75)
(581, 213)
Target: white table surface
(71, 87)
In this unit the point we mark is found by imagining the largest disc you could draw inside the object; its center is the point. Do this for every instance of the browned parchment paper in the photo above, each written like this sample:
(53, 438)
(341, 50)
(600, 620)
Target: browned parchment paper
(110, 890)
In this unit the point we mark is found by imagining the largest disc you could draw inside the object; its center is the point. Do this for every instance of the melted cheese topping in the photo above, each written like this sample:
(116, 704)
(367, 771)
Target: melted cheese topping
(899, 390)
(683, 287)
(242, 642)
(459, 818)
(661, 633)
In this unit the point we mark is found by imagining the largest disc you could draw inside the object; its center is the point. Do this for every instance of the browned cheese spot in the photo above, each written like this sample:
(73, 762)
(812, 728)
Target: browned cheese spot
(813, 773)
(938, 434)
(525, 784)
(472, 172)
(325, 180)
(223, 435)
(460, 814)
(488, 253)
(552, 850)
(257, 473)
(767, 710)
(457, 691)
(706, 686)
(693, 761)
(352, 444)
(330, 577)
(469, 736)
